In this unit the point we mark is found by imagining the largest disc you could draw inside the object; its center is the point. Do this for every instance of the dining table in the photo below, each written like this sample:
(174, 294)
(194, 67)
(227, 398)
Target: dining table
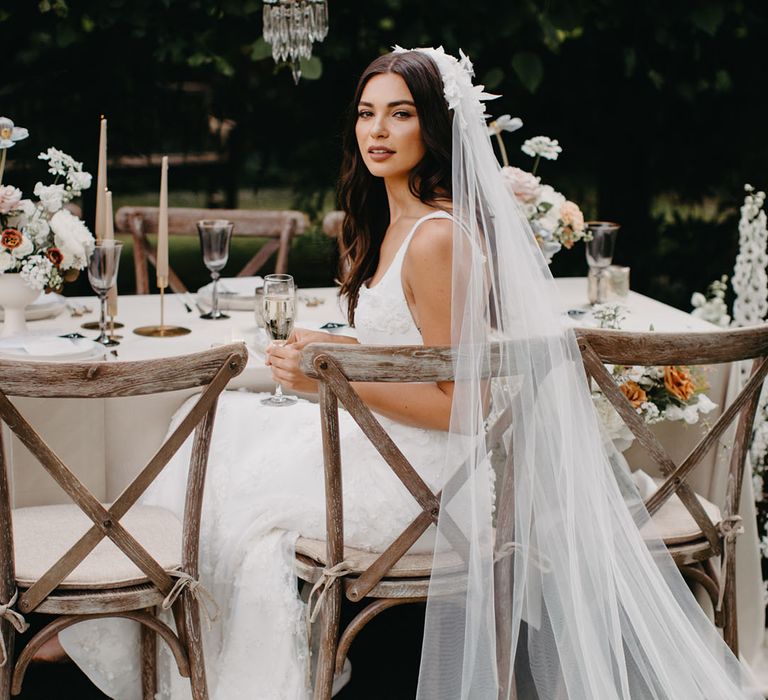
(105, 442)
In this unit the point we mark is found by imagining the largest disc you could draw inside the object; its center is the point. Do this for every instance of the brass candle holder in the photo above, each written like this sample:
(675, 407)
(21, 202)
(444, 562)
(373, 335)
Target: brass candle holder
(161, 331)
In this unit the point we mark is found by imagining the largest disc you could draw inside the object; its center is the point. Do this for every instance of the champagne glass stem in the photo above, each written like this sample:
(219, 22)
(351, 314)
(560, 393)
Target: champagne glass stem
(215, 294)
(278, 397)
(103, 317)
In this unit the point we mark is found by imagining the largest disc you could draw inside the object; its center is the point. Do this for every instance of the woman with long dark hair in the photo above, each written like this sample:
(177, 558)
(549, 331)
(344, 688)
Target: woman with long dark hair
(563, 565)
(265, 474)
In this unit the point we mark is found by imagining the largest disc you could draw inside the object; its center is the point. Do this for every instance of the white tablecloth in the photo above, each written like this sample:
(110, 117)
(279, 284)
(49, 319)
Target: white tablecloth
(107, 442)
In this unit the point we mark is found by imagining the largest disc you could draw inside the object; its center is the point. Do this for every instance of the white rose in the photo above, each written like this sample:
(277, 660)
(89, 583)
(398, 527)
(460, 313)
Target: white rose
(6, 261)
(523, 185)
(51, 196)
(72, 238)
(548, 195)
(23, 249)
(705, 404)
(27, 206)
(9, 198)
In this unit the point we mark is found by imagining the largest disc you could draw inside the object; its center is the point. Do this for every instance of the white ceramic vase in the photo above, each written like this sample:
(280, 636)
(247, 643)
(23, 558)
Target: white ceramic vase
(15, 296)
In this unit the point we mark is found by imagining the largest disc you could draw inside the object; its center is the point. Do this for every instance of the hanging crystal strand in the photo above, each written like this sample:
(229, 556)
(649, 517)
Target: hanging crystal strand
(292, 26)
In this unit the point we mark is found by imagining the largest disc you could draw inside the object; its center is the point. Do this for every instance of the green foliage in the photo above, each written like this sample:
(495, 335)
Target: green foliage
(645, 98)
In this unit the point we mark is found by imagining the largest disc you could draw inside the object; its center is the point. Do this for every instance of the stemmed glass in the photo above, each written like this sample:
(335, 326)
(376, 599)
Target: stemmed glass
(102, 273)
(599, 250)
(279, 311)
(215, 235)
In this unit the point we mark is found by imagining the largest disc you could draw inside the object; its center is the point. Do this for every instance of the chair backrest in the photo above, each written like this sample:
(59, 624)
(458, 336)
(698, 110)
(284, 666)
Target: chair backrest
(332, 223)
(599, 347)
(336, 366)
(278, 227)
(210, 370)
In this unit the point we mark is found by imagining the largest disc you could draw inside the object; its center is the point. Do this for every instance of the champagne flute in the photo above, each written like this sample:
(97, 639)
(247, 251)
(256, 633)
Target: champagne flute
(215, 235)
(102, 272)
(279, 311)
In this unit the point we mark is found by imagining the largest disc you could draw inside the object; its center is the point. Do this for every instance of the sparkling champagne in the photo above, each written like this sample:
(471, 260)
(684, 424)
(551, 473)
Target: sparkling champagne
(279, 313)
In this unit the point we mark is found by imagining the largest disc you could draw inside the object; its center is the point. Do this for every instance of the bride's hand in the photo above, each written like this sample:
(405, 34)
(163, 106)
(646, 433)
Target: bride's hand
(284, 360)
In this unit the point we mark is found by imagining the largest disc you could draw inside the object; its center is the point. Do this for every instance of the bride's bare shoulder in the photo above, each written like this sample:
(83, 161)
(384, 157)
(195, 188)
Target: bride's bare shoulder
(432, 243)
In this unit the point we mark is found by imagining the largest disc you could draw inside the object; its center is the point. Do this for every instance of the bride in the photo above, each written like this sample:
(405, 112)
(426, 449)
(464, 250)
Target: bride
(435, 252)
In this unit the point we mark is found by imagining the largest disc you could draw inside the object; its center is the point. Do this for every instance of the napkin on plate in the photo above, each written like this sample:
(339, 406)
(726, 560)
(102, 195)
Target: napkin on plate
(48, 346)
(236, 286)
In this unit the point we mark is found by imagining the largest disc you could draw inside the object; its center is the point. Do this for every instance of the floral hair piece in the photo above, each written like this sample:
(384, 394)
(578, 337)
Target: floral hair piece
(464, 98)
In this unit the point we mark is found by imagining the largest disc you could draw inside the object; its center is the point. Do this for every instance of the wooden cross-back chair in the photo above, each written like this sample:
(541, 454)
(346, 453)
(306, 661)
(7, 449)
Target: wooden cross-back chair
(278, 227)
(694, 530)
(392, 577)
(123, 577)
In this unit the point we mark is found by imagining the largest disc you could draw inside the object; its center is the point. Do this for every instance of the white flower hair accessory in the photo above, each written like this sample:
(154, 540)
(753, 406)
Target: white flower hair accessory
(464, 98)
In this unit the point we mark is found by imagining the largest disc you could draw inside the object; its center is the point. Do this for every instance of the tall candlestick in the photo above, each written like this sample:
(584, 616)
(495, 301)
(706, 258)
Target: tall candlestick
(162, 228)
(109, 235)
(101, 183)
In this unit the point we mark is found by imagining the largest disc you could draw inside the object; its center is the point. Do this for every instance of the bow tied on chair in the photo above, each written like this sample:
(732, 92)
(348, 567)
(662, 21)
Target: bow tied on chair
(16, 619)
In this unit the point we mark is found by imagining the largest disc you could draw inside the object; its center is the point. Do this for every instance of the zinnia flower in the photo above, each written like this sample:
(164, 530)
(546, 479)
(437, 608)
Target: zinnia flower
(678, 382)
(11, 238)
(634, 393)
(55, 256)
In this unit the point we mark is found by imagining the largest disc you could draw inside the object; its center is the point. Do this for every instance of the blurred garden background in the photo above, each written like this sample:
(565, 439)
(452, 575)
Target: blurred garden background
(657, 106)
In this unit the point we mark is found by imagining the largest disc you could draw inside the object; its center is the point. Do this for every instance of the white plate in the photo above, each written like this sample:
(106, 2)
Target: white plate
(45, 306)
(44, 348)
(235, 293)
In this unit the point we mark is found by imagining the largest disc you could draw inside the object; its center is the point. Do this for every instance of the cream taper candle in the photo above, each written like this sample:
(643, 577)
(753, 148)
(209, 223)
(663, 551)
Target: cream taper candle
(109, 235)
(101, 182)
(162, 228)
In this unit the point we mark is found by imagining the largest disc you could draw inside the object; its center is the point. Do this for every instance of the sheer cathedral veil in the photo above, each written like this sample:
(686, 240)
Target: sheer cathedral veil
(564, 584)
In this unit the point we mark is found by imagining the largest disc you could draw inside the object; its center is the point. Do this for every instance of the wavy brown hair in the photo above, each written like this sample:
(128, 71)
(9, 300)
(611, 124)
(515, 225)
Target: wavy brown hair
(362, 196)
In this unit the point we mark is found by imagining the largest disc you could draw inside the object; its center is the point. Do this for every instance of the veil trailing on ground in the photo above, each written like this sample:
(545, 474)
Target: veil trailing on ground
(565, 585)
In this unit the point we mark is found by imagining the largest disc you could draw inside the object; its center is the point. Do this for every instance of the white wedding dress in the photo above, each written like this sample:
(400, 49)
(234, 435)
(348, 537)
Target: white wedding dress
(264, 487)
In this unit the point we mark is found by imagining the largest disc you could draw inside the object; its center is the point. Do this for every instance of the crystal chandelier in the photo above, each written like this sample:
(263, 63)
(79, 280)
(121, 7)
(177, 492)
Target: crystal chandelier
(291, 26)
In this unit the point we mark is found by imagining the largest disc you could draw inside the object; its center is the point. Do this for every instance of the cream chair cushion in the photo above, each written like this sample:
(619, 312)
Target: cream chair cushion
(675, 524)
(42, 534)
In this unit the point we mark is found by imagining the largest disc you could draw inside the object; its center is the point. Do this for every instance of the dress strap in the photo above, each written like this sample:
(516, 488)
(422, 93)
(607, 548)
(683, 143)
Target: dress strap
(397, 262)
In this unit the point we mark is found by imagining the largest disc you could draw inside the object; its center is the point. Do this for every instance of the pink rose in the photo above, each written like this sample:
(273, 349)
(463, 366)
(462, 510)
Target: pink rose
(523, 185)
(571, 216)
(9, 198)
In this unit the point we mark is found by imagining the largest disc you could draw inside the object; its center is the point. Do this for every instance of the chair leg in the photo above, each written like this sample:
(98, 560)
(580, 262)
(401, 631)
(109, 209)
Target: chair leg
(730, 626)
(148, 662)
(329, 635)
(6, 670)
(194, 645)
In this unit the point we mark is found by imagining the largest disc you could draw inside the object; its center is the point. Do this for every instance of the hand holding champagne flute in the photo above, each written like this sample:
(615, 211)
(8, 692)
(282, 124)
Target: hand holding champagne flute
(279, 311)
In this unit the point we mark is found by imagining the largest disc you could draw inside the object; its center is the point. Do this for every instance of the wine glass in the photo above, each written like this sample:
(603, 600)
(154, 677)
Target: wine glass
(215, 235)
(599, 245)
(102, 273)
(279, 311)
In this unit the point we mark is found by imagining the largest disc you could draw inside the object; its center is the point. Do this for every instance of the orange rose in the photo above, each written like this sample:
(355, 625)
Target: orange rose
(634, 393)
(55, 256)
(679, 383)
(11, 238)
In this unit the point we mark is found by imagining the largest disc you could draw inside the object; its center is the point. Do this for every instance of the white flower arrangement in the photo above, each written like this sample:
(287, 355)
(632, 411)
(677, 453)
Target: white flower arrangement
(671, 393)
(556, 222)
(43, 242)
